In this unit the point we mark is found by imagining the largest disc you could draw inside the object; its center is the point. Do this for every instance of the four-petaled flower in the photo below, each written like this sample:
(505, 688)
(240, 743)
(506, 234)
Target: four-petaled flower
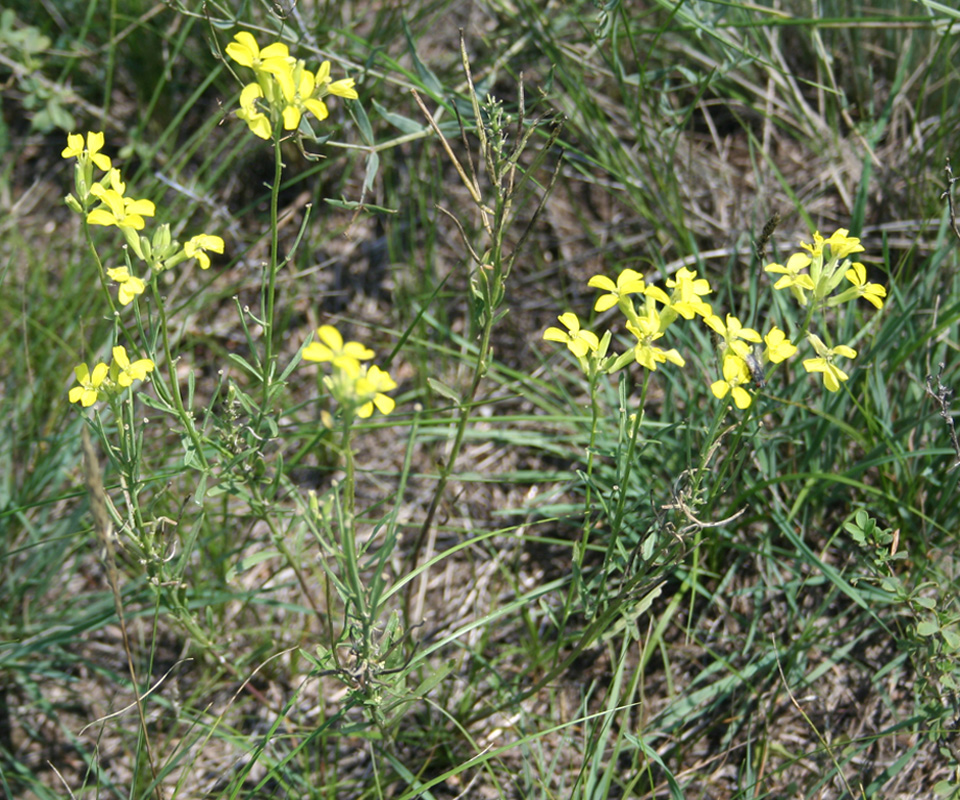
(735, 335)
(647, 330)
(115, 209)
(130, 285)
(271, 59)
(331, 347)
(628, 282)
(370, 388)
(341, 88)
(833, 376)
(125, 372)
(256, 120)
(578, 340)
(871, 292)
(298, 87)
(779, 348)
(75, 149)
(196, 247)
(88, 392)
(798, 283)
(688, 290)
(736, 375)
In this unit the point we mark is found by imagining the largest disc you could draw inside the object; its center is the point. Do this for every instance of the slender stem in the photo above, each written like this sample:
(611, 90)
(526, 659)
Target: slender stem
(186, 418)
(272, 268)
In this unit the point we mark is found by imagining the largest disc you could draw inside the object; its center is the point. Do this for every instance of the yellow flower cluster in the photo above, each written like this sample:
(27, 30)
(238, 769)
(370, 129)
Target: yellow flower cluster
(650, 310)
(284, 87)
(358, 388)
(105, 202)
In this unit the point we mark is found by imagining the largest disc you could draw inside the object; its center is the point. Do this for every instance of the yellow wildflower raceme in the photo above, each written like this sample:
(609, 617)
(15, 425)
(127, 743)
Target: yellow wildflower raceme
(331, 348)
(125, 372)
(130, 285)
(88, 392)
(579, 341)
(196, 247)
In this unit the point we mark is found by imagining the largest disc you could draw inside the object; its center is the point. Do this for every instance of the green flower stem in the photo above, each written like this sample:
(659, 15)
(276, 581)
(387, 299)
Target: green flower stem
(268, 302)
(624, 479)
(348, 540)
(186, 418)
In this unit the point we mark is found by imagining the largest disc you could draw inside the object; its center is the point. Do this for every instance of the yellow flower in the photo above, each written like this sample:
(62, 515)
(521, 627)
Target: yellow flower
(75, 149)
(833, 376)
(88, 392)
(735, 335)
(331, 348)
(840, 244)
(647, 330)
(298, 87)
(628, 282)
(577, 340)
(871, 292)
(688, 290)
(256, 120)
(341, 88)
(370, 389)
(779, 348)
(736, 375)
(130, 285)
(125, 372)
(198, 244)
(115, 208)
(271, 59)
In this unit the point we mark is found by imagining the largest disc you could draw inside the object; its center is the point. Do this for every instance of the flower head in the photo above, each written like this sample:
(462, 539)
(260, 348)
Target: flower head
(130, 285)
(199, 244)
(579, 341)
(871, 292)
(257, 121)
(124, 372)
(736, 375)
(370, 390)
(735, 335)
(688, 290)
(117, 209)
(798, 283)
(648, 330)
(833, 376)
(271, 59)
(331, 348)
(628, 282)
(75, 149)
(779, 348)
(88, 392)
